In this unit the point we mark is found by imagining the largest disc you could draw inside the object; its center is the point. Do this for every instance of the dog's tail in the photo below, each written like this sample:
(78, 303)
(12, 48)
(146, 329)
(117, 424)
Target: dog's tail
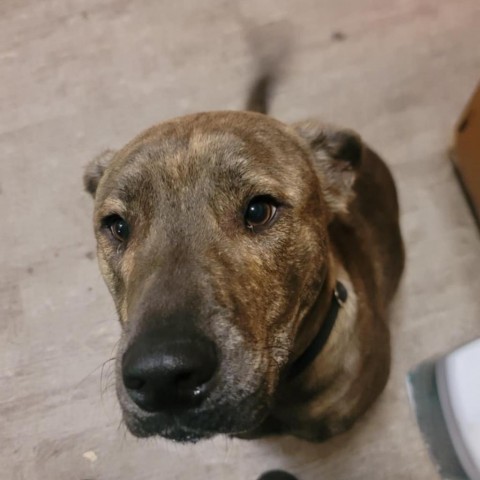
(270, 46)
(260, 93)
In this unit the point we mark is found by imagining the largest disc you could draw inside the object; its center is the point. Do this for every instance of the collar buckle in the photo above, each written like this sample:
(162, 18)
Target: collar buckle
(340, 293)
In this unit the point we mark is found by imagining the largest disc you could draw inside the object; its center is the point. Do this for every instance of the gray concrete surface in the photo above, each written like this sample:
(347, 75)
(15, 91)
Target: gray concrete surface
(79, 76)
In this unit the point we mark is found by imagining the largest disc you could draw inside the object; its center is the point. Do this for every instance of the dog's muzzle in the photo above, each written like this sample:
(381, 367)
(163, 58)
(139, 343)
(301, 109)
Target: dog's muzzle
(173, 380)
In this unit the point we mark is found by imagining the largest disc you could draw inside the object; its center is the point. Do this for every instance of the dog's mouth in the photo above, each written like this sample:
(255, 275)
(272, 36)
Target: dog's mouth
(179, 390)
(190, 426)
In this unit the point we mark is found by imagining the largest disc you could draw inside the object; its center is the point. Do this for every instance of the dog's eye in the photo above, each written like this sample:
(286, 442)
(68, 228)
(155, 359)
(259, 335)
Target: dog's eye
(260, 212)
(118, 227)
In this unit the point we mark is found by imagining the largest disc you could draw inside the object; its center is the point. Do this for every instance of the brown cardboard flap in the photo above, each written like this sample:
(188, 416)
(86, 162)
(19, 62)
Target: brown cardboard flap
(467, 150)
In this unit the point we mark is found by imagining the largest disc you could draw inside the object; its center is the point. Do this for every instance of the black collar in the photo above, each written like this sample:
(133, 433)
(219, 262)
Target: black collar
(339, 297)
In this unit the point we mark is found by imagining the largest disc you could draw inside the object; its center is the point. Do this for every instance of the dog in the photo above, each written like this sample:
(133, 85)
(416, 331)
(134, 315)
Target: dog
(252, 264)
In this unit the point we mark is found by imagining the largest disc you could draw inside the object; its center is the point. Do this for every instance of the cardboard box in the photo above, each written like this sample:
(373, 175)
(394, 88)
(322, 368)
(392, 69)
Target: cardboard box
(466, 152)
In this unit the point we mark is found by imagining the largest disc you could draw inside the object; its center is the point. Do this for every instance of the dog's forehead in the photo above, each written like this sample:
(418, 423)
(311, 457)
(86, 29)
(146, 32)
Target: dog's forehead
(212, 149)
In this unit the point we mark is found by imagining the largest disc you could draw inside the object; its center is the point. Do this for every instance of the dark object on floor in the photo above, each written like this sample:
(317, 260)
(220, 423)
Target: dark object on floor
(277, 475)
(338, 36)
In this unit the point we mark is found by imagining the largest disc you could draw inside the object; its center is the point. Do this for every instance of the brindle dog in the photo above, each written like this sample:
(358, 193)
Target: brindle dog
(223, 237)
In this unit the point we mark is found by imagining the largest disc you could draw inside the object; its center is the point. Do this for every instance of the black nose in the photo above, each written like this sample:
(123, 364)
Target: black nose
(169, 371)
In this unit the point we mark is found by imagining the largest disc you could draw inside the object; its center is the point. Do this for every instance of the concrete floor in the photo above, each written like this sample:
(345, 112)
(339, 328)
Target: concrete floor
(80, 76)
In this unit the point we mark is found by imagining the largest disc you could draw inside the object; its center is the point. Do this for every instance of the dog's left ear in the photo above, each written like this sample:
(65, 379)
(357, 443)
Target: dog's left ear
(337, 155)
(95, 170)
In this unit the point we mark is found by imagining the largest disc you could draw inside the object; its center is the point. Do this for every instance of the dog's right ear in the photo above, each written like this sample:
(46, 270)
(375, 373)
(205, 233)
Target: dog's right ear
(95, 170)
(337, 155)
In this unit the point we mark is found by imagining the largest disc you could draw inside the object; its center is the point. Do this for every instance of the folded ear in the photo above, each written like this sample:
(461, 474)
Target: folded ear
(337, 154)
(95, 170)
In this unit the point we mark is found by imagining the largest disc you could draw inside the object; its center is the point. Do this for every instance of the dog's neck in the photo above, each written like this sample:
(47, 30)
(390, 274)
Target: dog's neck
(312, 319)
(313, 322)
(338, 299)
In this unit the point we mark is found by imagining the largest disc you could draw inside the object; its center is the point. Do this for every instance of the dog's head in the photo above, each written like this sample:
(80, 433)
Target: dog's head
(212, 238)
